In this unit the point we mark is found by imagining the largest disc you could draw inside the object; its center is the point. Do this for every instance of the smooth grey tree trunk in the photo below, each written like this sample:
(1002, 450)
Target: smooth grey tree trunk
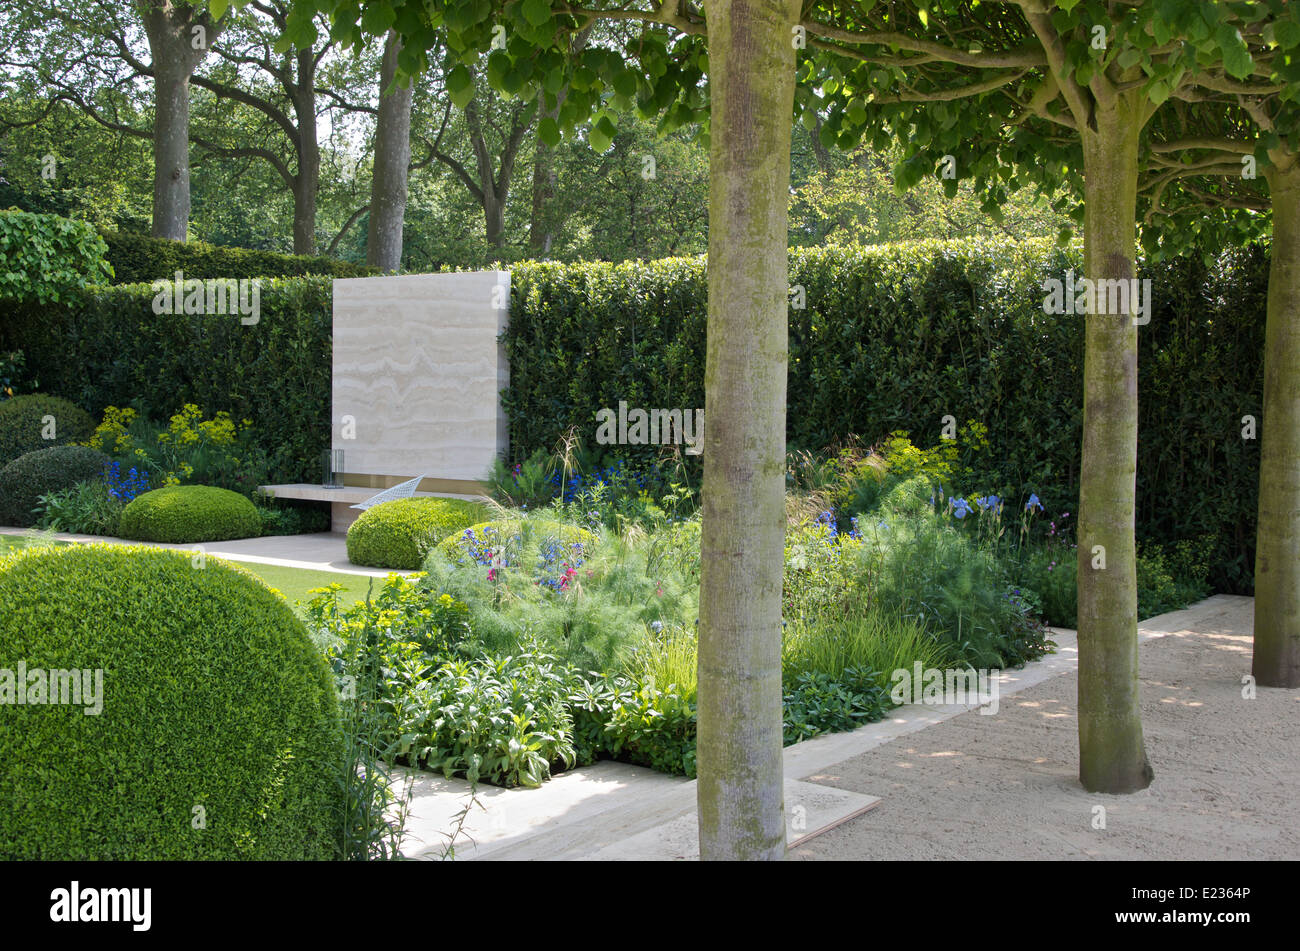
(1276, 661)
(1112, 756)
(751, 79)
(177, 51)
(541, 229)
(392, 164)
(306, 183)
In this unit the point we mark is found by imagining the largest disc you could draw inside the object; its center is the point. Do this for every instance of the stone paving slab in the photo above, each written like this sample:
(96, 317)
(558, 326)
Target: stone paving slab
(613, 811)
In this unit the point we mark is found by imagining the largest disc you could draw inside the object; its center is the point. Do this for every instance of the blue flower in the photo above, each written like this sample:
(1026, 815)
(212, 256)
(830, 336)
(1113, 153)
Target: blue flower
(960, 507)
(1033, 503)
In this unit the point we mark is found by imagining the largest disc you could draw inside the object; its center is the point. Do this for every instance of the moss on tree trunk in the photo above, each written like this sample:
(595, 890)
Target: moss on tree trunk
(751, 77)
(1112, 758)
(1277, 554)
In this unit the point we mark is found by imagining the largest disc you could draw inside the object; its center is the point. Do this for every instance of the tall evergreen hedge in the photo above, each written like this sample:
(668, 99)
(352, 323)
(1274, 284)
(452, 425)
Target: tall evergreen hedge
(890, 338)
(110, 348)
(897, 337)
(140, 258)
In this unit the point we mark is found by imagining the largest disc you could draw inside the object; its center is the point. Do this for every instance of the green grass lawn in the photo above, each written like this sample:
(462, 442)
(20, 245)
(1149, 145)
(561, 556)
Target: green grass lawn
(292, 583)
(11, 542)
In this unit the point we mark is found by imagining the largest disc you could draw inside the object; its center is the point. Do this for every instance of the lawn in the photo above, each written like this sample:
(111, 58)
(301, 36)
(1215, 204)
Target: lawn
(292, 583)
(11, 542)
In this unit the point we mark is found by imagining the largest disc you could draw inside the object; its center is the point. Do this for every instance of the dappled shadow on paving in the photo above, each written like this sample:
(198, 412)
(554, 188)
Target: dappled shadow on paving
(1006, 786)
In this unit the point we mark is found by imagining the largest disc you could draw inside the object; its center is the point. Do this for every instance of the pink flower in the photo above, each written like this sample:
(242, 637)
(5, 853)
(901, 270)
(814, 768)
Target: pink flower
(492, 574)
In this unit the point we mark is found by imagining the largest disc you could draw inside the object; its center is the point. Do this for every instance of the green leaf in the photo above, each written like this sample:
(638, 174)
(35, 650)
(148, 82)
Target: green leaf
(1130, 56)
(1237, 61)
(460, 86)
(625, 83)
(548, 130)
(376, 18)
(536, 12)
(602, 134)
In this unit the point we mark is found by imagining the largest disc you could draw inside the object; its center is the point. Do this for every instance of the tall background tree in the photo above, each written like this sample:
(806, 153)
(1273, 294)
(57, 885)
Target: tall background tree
(392, 162)
(1059, 95)
(180, 34)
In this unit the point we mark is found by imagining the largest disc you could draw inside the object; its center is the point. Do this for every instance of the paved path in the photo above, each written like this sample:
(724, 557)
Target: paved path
(1006, 786)
(321, 551)
(958, 781)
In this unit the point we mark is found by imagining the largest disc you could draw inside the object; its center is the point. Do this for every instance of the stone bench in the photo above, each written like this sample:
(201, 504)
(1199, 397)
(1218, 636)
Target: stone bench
(341, 500)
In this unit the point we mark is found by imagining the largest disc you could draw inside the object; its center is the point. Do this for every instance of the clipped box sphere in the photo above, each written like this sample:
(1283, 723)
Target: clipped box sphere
(26, 422)
(33, 474)
(218, 734)
(190, 513)
(399, 534)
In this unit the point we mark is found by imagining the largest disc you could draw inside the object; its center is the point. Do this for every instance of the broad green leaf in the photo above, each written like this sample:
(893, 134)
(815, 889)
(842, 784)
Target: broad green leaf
(548, 130)
(1237, 61)
(460, 86)
(536, 12)
(602, 134)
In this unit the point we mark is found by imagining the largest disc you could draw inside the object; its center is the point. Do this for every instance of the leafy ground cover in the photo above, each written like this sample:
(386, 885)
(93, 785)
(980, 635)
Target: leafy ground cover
(565, 630)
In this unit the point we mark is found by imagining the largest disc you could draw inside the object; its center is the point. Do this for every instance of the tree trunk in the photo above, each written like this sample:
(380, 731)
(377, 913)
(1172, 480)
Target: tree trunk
(392, 163)
(494, 217)
(541, 231)
(176, 53)
(171, 150)
(1277, 544)
(306, 183)
(543, 223)
(1112, 757)
(752, 59)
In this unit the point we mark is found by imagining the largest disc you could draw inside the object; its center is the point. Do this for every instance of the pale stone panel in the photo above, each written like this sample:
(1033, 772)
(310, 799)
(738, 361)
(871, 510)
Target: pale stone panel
(418, 365)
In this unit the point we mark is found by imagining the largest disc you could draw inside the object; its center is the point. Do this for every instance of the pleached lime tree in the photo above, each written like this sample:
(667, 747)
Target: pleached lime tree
(1059, 96)
(1224, 169)
(1046, 102)
(749, 49)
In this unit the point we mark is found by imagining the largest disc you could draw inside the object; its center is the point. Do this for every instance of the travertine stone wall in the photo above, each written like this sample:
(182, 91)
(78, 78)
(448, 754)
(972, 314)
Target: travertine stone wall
(418, 372)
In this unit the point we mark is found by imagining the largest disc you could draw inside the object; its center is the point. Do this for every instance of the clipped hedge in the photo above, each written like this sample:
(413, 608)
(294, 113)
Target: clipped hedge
(896, 337)
(891, 338)
(218, 735)
(190, 513)
(399, 534)
(26, 421)
(139, 258)
(111, 349)
(27, 478)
